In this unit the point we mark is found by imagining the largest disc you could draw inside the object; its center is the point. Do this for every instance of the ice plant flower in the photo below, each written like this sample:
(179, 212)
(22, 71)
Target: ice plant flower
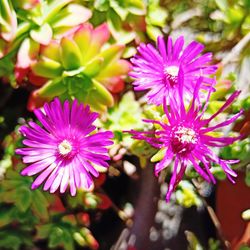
(186, 139)
(62, 150)
(159, 70)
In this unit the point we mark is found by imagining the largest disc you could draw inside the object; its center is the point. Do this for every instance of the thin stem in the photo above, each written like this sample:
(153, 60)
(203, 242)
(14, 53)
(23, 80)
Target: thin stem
(121, 214)
(225, 243)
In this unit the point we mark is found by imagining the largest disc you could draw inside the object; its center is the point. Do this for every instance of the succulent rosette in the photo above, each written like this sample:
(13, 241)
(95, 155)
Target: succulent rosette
(42, 23)
(82, 65)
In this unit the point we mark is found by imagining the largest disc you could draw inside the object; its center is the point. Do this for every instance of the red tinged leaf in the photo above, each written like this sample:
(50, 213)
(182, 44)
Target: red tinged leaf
(105, 201)
(35, 101)
(21, 74)
(83, 218)
(57, 205)
(115, 84)
(36, 80)
(101, 34)
(100, 180)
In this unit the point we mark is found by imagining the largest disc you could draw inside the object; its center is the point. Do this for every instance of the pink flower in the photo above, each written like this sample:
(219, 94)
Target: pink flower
(159, 70)
(63, 151)
(187, 140)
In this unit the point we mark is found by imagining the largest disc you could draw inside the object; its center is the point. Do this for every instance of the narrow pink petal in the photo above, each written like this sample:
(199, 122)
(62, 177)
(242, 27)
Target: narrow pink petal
(65, 180)
(38, 166)
(172, 180)
(38, 181)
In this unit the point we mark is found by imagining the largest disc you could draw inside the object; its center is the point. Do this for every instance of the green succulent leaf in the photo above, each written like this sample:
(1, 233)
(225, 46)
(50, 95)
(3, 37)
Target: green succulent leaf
(101, 5)
(136, 7)
(51, 9)
(101, 94)
(24, 199)
(119, 8)
(52, 88)
(115, 25)
(40, 205)
(159, 155)
(93, 67)
(112, 53)
(42, 35)
(70, 54)
(70, 16)
(47, 68)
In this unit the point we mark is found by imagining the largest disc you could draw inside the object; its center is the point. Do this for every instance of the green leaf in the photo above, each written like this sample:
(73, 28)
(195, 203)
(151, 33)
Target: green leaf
(55, 237)
(112, 53)
(96, 106)
(47, 68)
(70, 54)
(71, 16)
(43, 231)
(222, 4)
(8, 20)
(136, 7)
(80, 239)
(153, 32)
(42, 35)
(218, 173)
(6, 216)
(101, 94)
(115, 26)
(52, 88)
(82, 37)
(8, 241)
(23, 201)
(157, 16)
(61, 236)
(127, 115)
(247, 176)
(101, 5)
(193, 243)
(121, 11)
(159, 155)
(93, 67)
(39, 205)
(53, 8)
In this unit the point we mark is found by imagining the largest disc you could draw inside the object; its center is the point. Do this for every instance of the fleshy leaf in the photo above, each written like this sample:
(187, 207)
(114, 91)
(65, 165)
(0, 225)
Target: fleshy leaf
(72, 15)
(70, 54)
(159, 155)
(102, 94)
(8, 20)
(47, 68)
(52, 88)
(112, 53)
(42, 35)
(51, 51)
(94, 67)
(82, 38)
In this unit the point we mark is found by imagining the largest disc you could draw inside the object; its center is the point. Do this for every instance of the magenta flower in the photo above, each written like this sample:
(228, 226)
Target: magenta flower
(62, 151)
(187, 139)
(159, 71)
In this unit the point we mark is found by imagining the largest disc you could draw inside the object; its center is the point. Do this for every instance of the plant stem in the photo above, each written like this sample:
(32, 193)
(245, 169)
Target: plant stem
(225, 243)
